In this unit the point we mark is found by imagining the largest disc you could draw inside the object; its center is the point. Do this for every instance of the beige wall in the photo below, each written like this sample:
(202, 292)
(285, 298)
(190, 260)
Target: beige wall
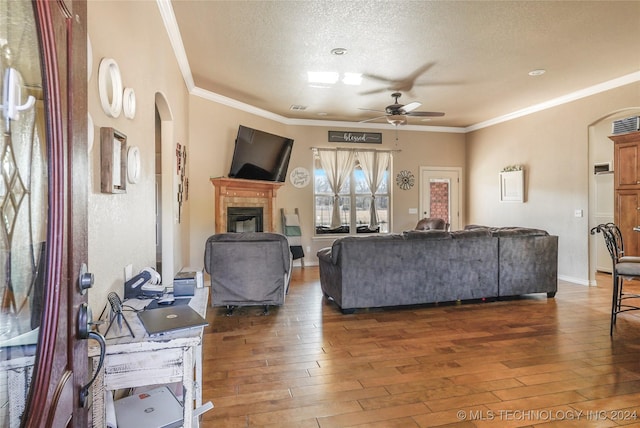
(213, 129)
(122, 226)
(553, 145)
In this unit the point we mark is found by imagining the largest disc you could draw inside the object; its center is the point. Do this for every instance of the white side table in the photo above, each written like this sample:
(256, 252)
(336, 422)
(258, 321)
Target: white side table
(142, 360)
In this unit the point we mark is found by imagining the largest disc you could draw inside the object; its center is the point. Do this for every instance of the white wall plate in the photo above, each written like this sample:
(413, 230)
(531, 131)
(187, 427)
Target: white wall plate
(90, 133)
(89, 58)
(110, 87)
(129, 103)
(133, 164)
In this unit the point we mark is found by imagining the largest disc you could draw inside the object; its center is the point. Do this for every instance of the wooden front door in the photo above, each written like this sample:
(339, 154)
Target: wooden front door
(43, 213)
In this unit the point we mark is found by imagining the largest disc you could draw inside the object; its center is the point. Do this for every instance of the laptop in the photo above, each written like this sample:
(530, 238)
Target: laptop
(171, 318)
(152, 409)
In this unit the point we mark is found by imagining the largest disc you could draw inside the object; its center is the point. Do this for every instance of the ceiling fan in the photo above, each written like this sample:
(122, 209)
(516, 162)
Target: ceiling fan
(404, 84)
(396, 113)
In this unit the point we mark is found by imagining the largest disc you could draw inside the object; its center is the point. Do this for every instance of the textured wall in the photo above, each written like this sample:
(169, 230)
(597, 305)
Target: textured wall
(122, 226)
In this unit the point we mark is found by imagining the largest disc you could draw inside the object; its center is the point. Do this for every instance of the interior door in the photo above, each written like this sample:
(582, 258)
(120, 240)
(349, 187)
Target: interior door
(440, 194)
(43, 203)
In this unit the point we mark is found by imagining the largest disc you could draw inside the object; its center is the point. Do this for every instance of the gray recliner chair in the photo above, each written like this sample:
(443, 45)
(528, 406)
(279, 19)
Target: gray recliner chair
(248, 269)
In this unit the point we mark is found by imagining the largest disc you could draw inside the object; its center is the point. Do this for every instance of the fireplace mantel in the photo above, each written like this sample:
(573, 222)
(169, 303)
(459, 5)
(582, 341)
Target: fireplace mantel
(238, 192)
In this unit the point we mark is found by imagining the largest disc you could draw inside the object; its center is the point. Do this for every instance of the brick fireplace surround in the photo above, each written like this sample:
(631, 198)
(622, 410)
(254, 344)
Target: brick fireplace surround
(237, 192)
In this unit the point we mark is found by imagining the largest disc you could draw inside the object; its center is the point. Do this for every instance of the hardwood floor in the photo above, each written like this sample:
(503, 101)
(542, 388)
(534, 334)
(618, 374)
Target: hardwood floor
(524, 362)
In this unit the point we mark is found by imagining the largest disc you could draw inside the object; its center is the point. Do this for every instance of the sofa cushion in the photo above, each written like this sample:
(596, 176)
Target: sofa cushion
(518, 231)
(426, 234)
(324, 254)
(470, 233)
(335, 248)
(509, 230)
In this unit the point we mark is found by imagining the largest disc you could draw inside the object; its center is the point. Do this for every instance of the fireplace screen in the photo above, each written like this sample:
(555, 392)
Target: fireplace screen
(244, 219)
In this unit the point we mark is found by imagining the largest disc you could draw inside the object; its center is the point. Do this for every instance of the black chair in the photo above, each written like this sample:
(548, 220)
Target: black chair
(623, 267)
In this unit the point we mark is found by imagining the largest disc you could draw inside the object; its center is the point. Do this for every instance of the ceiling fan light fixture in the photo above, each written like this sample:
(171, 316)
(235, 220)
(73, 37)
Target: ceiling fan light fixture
(396, 119)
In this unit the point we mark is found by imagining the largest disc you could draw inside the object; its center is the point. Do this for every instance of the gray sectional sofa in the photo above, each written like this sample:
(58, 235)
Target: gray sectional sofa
(432, 266)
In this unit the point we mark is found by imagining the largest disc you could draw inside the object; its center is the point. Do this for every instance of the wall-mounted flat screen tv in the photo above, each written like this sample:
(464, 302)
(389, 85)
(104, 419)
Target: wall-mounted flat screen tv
(259, 155)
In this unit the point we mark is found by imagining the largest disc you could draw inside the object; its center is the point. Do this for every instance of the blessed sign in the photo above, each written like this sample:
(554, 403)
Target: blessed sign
(355, 137)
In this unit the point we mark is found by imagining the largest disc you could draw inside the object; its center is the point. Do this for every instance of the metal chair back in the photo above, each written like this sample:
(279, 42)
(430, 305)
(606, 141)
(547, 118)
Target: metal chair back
(612, 238)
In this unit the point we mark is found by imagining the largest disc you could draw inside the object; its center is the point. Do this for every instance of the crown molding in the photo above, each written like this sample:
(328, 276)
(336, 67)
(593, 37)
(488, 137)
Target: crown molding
(573, 96)
(169, 19)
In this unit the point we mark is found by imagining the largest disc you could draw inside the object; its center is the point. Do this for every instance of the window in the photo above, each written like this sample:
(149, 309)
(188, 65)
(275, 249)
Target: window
(349, 210)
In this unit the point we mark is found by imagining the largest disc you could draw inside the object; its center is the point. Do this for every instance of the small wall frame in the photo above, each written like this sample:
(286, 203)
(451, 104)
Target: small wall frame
(512, 186)
(113, 161)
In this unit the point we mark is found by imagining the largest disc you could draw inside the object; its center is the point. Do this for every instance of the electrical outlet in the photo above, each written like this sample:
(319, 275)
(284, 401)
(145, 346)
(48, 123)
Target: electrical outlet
(577, 213)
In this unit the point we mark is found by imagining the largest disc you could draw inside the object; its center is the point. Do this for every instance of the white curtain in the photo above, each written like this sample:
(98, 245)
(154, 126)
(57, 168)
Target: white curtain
(373, 165)
(337, 164)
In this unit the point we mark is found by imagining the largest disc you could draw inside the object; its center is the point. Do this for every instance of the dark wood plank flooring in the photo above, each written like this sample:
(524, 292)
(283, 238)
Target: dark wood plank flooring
(525, 362)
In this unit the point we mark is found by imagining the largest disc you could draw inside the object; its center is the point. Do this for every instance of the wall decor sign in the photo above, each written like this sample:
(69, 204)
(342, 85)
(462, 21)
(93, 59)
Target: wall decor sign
(183, 185)
(355, 137)
(512, 186)
(300, 177)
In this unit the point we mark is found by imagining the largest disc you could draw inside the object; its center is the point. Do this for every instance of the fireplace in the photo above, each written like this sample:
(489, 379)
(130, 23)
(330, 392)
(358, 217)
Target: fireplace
(244, 219)
(247, 194)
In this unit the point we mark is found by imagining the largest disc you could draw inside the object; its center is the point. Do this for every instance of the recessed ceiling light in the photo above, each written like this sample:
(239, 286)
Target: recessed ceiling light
(338, 51)
(323, 77)
(537, 72)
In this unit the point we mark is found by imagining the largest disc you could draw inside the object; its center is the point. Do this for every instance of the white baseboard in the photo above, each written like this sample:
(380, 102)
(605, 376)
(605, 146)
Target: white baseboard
(579, 281)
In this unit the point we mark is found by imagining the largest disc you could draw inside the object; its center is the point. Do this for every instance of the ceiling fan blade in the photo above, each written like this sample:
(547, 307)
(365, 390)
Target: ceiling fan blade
(425, 113)
(378, 78)
(373, 91)
(411, 106)
(368, 109)
(372, 119)
(419, 71)
(405, 83)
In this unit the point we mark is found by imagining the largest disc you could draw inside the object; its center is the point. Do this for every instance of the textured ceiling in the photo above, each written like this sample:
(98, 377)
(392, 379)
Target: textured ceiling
(477, 54)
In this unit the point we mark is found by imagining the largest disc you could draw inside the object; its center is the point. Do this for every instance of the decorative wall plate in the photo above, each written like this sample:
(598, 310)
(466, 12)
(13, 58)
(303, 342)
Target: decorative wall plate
(90, 132)
(129, 103)
(300, 177)
(89, 58)
(110, 87)
(405, 180)
(133, 164)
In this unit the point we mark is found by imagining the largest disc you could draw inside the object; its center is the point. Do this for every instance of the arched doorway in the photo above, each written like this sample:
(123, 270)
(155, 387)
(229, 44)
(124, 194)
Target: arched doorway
(165, 233)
